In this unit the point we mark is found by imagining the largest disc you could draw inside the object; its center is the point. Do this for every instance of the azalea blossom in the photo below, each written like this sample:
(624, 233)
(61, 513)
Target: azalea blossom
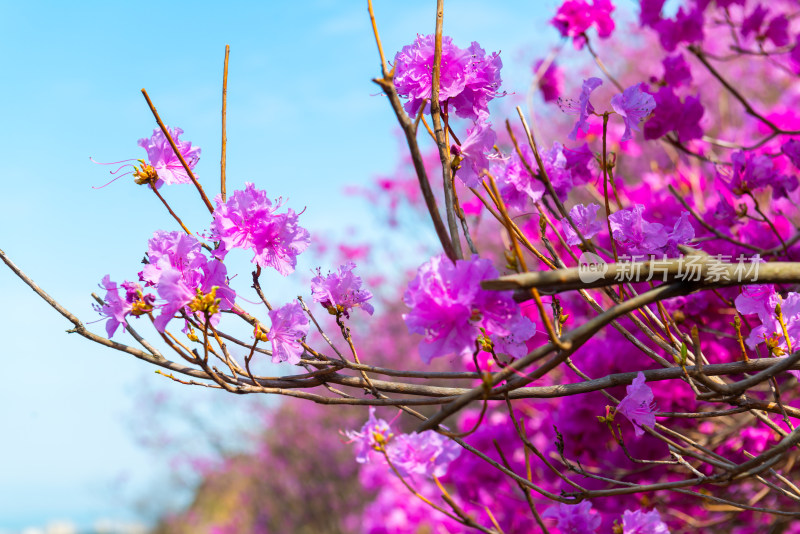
(289, 325)
(162, 158)
(637, 406)
(639, 522)
(449, 308)
(474, 152)
(578, 518)
(585, 219)
(341, 291)
(634, 105)
(248, 220)
(575, 17)
(581, 107)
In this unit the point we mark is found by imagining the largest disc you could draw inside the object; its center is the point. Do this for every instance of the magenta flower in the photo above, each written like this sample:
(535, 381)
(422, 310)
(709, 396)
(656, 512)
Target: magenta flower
(474, 152)
(575, 17)
(673, 115)
(575, 519)
(551, 81)
(449, 307)
(634, 105)
(676, 71)
(778, 30)
(469, 78)
(248, 221)
(758, 299)
(585, 218)
(637, 406)
(791, 149)
(567, 167)
(650, 13)
(289, 325)
(375, 434)
(428, 453)
(686, 27)
(753, 22)
(341, 291)
(163, 159)
(640, 522)
(582, 107)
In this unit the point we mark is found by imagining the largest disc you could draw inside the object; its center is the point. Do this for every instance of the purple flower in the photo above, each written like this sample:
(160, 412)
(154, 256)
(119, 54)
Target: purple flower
(638, 236)
(650, 13)
(172, 251)
(289, 324)
(428, 453)
(753, 172)
(752, 23)
(163, 159)
(582, 107)
(115, 308)
(566, 167)
(174, 290)
(575, 17)
(575, 519)
(637, 406)
(676, 71)
(634, 105)
(551, 81)
(374, 434)
(513, 344)
(449, 307)
(474, 151)
(778, 31)
(673, 115)
(469, 78)
(758, 299)
(791, 149)
(341, 291)
(517, 187)
(686, 27)
(639, 522)
(248, 221)
(585, 218)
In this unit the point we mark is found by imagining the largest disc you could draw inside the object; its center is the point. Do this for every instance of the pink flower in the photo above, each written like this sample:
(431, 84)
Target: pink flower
(575, 519)
(173, 289)
(639, 522)
(474, 152)
(752, 172)
(582, 107)
(634, 105)
(791, 149)
(289, 325)
(428, 453)
(640, 237)
(115, 308)
(551, 81)
(637, 406)
(248, 221)
(163, 159)
(585, 218)
(374, 434)
(341, 291)
(449, 307)
(686, 27)
(575, 17)
(172, 250)
(469, 78)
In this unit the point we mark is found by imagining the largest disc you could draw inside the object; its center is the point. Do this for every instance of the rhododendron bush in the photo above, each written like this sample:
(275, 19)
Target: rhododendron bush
(605, 339)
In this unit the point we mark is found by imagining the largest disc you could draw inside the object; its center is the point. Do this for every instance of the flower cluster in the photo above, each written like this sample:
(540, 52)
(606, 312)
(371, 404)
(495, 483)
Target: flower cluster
(470, 79)
(248, 220)
(341, 291)
(162, 158)
(640, 237)
(450, 309)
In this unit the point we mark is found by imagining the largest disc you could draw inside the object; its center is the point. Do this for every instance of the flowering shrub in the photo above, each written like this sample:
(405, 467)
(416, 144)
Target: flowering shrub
(664, 297)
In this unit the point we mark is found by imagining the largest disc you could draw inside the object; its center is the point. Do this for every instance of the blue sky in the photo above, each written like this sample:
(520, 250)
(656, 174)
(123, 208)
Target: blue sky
(304, 120)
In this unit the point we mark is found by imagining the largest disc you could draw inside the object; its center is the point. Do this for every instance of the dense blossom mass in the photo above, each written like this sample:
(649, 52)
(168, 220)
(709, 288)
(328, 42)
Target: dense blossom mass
(620, 413)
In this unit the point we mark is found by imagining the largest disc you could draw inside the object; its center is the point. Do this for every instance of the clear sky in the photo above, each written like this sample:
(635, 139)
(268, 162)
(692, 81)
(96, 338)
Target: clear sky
(304, 120)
